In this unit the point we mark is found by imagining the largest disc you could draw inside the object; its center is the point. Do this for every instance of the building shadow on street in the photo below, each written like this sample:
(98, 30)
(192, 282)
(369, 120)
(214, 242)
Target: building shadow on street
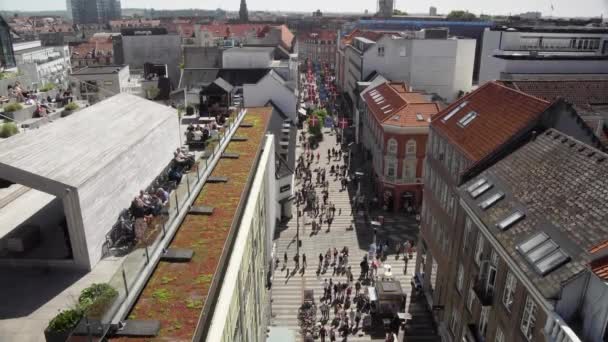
(29, 289)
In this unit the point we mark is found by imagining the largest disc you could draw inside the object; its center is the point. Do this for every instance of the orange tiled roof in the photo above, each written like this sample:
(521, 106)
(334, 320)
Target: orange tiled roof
(600, 267)
(396, 106)
(501, 113)
(599, 247)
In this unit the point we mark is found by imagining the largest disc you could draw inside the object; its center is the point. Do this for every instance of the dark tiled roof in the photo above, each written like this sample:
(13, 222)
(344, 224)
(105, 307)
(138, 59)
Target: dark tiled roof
(578, 92)
(502, 112)
(562, 186)
(197, 77)
(238, 77)
(587, 96)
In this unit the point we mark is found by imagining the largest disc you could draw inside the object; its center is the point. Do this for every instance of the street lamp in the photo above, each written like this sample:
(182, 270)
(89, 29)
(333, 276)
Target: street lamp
(350, 147)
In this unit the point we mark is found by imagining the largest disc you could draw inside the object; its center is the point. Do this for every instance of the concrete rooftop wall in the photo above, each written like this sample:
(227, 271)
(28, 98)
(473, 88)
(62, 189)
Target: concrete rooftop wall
(113, 189)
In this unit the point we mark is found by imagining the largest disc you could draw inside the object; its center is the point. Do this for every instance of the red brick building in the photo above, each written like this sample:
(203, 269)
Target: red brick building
(395, 130)
(318, 46)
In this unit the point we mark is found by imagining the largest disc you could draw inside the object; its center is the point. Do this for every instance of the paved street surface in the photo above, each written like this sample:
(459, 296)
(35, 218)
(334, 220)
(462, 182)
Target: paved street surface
(287, 293)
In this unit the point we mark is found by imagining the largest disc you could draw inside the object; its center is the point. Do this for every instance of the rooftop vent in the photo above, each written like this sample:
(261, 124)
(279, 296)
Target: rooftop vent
(542, 253)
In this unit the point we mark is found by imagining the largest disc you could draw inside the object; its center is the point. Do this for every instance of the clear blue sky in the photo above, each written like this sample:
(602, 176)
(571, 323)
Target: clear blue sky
(561, 7)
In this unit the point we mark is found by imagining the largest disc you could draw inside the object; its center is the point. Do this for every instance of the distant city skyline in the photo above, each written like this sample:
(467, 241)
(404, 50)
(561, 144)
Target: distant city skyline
(562, 8)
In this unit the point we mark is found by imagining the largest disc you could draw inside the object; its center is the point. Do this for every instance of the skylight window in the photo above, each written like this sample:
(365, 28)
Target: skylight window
(454, 111)
(419, 117)
(477, 184)
(387, 106)
(480, 190)
(543, 253)
(396, 117)
(491, 200)
(510, 220)
(465, 120)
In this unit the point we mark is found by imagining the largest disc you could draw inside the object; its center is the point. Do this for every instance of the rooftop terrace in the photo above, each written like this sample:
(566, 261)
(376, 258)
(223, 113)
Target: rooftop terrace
(177, 293)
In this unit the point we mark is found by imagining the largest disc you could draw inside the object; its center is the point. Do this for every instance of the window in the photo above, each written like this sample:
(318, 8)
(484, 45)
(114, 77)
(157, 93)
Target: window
(390, 168)
(409, 169)
(510, 220)
(483, 320)
(460, 278)
(410, 148)
(467, 232)
(500, 337)
(542, 253)
(509, 291)
(470, 298)
(528, 319)
(466, 120)
(392, 146)
(480, 190)
(490, 201)
(380, 51)
(479, 248)
(454, 111)
(454, 322)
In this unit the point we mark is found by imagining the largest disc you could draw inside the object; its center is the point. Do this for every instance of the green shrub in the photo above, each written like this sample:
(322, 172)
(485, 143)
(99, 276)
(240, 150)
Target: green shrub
(12, 107)
(47, 87)
(71, 106)
(95, 299)
(8, 129)
(65, 320)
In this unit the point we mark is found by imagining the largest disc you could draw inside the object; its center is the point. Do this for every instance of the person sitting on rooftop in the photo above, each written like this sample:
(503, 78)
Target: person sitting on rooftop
(162, 195)
(197, 135)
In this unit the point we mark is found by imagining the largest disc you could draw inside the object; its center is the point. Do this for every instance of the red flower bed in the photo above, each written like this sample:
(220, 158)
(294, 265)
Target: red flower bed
(176, 292)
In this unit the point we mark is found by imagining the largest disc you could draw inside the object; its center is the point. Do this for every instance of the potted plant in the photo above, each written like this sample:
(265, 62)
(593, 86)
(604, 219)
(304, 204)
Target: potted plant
(60, 327)
(96, 299)
(13, 107)
(8, 129)
(69, 108)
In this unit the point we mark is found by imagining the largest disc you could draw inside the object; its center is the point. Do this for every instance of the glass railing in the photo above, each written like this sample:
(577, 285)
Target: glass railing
(95, 324)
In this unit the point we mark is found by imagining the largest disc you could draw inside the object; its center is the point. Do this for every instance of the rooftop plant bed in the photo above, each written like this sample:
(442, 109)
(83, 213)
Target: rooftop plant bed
(176, 292)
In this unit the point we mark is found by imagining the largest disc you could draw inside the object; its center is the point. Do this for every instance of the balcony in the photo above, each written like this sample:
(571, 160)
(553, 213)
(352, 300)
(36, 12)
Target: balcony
(484, 295)
(557, 330)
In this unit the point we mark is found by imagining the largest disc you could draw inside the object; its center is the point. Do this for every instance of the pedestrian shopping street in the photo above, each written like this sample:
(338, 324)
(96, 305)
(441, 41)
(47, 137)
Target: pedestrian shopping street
(288, 289)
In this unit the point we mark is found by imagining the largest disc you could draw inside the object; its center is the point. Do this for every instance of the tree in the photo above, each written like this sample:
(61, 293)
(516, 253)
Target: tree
(399, 12)
(461, 15)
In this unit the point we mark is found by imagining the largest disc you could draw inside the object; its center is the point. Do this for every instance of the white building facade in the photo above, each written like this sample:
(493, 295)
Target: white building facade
(516, 53)
(43, 65)
(100, 82)
(242, 312)
(426, 60)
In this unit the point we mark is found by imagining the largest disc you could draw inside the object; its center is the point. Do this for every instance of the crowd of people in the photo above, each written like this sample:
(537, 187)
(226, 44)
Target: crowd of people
(44, 105)
(201, 133)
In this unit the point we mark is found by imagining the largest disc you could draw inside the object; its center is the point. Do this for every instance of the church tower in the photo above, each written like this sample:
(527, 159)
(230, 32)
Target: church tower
(243, 15)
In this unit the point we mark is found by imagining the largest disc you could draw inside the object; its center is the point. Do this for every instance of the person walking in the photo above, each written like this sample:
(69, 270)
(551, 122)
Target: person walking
(285, 260)
(304, 260)
(322, 333)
